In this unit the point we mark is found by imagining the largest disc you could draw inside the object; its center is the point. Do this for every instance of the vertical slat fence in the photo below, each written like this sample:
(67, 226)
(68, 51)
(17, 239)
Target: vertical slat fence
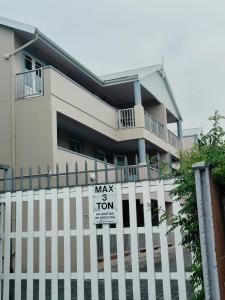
(85, 252)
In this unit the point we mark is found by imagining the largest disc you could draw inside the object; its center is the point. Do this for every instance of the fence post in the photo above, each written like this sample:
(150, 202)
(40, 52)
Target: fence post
(137, 166)
(57, 175)
(116, 169)
(206, 231)
(67, 174)
(96, 172)
(21, 179)
(76, 173)
(48, 176)
(86, 172)
(39, 177)
(30, 178)
(8, 179)
(106, 171)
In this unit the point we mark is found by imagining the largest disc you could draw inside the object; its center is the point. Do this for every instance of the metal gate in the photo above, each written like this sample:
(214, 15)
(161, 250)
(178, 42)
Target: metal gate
(49, 246)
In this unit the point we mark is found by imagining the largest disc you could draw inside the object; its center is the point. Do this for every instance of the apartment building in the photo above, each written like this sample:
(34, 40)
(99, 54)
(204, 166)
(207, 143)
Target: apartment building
(191, 137)
(54, 110)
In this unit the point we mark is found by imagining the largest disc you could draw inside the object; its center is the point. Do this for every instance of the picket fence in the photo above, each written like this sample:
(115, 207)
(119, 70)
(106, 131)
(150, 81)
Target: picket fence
(48, 237)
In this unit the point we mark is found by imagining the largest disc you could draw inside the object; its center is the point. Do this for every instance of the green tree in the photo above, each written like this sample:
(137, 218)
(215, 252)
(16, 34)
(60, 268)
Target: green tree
(211, 149)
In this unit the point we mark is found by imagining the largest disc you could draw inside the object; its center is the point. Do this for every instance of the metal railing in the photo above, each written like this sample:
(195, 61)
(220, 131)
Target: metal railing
(173, 140)
(154, 126)
(28, 180)
(29, 83)
(126, 118)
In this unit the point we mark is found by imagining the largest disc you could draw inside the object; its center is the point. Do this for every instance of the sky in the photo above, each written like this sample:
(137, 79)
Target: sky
(112, 36)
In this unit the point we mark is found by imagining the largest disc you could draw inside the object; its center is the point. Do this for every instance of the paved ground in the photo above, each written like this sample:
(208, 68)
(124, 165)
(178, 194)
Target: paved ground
(129, 287)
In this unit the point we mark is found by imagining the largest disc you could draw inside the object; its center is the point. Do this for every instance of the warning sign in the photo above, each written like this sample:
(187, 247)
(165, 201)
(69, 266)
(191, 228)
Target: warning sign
(104, 204)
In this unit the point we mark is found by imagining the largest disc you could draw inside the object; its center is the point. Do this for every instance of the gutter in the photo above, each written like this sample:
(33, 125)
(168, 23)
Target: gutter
(7, 56)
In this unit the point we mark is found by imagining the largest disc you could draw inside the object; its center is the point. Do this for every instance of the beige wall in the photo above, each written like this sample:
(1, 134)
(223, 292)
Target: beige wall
(6, 95)
(34, 138)
(158, 112)
(188, 142)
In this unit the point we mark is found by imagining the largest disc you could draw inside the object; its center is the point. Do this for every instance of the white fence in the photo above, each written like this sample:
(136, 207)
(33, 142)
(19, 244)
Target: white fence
(50, 251)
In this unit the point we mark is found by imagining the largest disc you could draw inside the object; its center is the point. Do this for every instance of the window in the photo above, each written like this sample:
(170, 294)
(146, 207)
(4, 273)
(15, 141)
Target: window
(76, 146)
(38, 66)
(100, 155)
(27, 63)
(120, 160)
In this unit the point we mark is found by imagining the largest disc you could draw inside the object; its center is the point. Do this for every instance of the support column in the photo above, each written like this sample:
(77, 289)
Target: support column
(179, 129)
(137, 92)
(141, 151)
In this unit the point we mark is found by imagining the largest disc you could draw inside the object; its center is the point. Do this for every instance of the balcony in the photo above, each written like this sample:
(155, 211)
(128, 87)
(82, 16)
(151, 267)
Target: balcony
(173, 140)
(77, 103)
(155, 127)
(127, 120)
(29, 83)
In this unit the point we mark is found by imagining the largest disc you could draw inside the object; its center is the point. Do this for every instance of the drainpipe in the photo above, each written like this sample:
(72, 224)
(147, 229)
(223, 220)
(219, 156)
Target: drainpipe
(13, 133)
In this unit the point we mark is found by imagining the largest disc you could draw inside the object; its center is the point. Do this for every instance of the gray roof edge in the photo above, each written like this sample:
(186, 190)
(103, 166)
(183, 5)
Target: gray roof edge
(136, 72)
(17, 25)
(172, 95)
(33, 30)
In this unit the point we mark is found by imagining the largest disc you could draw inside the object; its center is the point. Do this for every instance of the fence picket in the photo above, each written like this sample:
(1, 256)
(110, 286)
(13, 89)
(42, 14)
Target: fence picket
(1, 245)
(149, 240)
(42, 259)
(7, 249)
(107, 262)
(80, 245)
(93, 247)
(120, 245)
(179, 256)
(54, 245)
(67, 254)
(134, 240)
(30, 244)
(18, 249)
(164, 242)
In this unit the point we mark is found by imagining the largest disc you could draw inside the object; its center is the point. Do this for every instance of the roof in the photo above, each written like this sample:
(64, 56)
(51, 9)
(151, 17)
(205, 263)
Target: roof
(17, 25)
(140, 72)
(153, 78)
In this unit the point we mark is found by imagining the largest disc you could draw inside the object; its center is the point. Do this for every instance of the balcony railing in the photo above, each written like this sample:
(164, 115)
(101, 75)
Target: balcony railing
(29, 83)
(173, 140)
(154, 126)
(126, 118)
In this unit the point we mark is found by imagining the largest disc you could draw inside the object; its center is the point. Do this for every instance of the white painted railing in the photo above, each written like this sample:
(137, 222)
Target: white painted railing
(155, 126)
(48, 236)
(126, 118)
(173, 140)
(29, 83)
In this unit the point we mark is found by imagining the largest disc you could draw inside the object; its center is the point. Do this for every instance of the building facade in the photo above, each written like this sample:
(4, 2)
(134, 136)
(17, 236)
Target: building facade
(191, 137)
(54, 110)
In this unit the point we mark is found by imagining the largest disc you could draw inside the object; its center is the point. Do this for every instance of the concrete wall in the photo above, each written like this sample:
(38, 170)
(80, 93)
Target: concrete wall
(34, 141)
(188, 142)
(6, 95)
(158, 112)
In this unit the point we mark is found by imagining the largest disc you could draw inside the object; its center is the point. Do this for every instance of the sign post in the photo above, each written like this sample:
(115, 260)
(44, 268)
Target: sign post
(104, 204)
